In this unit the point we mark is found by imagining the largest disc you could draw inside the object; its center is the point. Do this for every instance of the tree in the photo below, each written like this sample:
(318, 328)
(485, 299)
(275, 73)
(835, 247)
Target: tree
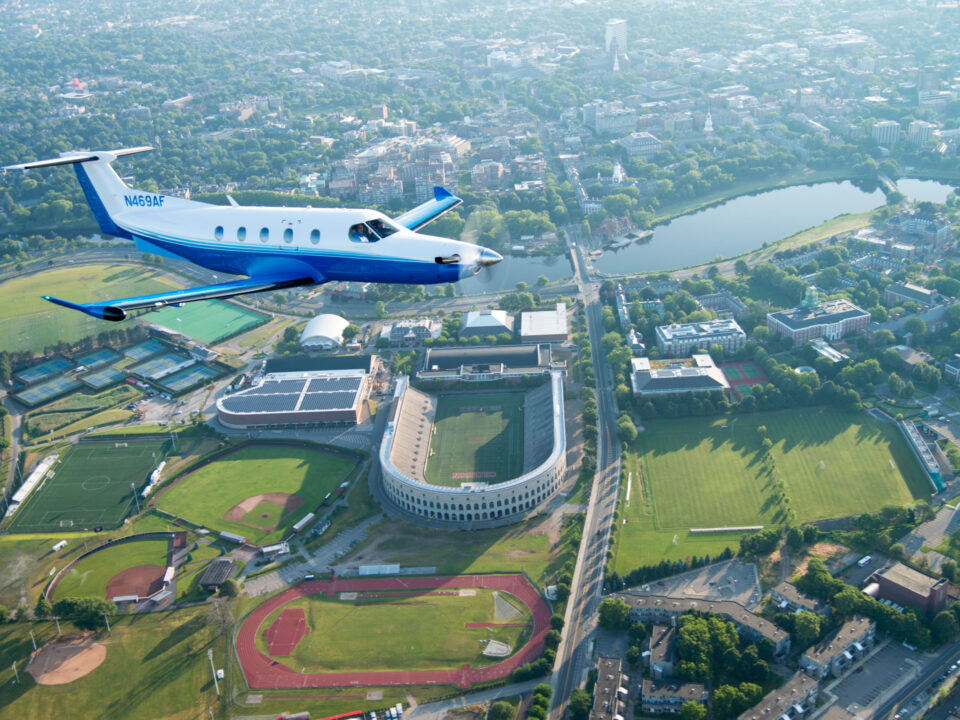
(614, 614)
(795, 538)
(692, 710)
(501, 710)
(350, 332)
(43, 608)
(542, 280)
(626, 430)
(579, 704)
(916, 327)
(229, 588)
(380, 310)
(87, 613)
(944, 628)
(806, 628)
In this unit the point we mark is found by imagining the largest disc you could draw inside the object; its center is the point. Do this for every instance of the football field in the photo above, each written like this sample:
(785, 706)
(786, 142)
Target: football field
(476, 438)
(90, 486)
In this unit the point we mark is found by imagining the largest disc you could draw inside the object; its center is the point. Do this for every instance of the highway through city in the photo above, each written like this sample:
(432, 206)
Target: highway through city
(905, 700)
(574, 654)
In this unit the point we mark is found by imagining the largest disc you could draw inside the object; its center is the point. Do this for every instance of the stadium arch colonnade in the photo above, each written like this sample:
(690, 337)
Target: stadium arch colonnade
(474, 505)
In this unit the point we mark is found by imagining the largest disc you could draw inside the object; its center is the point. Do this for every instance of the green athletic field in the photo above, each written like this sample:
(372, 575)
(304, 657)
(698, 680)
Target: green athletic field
(90, 486)
(156, 666)
(28, 322)
(90, 576)
(205, 495)
(693, 473)
(207, 321)
(477, 438)
(419, 632)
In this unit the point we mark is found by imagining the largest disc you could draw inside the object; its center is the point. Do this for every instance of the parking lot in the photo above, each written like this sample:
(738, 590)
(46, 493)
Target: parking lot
(875, 676)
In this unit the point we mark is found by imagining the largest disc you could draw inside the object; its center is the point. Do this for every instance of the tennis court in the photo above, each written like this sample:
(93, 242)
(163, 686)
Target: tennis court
(43, 392)
(43, 370)
(158, 367)
(143, 350)
(91, 486)
(99, 379)
(98, 357)
(207, 321)
(188, 377)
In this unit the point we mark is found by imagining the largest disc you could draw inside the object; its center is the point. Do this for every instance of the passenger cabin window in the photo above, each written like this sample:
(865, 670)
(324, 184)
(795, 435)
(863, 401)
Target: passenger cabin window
(241, 234)
(383, 228)
(288, 235)
(314, 236)
(264, 234)
(218, 233)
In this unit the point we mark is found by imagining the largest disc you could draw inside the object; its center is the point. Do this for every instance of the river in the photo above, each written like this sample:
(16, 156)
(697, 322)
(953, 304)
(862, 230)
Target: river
(747, 222)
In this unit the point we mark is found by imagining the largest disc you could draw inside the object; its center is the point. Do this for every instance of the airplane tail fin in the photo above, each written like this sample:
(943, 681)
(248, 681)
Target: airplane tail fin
(106, 193)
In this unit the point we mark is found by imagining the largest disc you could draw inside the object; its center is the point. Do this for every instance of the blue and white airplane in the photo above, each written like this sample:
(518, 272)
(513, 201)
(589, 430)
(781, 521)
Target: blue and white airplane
(275, 247)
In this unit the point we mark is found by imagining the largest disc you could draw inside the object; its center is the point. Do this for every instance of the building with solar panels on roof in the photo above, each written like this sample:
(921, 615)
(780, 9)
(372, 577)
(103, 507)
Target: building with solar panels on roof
(302, 391)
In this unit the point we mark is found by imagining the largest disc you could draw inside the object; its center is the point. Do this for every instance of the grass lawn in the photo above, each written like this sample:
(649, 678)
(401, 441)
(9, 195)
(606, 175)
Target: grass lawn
(90, 486)
(156, 667)
(206, 321)
(692, 473)
(27, 562)
(418, 632)
(205, 495)
(90, 576)
(525, 546)
(77, 406)
(30, 323)
(476, 437)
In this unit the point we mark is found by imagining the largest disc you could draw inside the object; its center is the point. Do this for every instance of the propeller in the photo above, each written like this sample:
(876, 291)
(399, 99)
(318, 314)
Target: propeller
(485, 258)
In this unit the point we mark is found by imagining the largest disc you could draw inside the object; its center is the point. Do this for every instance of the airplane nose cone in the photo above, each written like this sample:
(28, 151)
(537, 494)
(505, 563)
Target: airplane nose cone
(489, 257)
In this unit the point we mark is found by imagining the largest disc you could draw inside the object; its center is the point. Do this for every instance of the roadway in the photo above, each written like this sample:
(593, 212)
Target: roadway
(574, 655)
(908, 698)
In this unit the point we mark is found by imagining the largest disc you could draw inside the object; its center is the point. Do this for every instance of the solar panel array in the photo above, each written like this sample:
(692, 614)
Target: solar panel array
(283, 395)
(333, 384)
(327, 401)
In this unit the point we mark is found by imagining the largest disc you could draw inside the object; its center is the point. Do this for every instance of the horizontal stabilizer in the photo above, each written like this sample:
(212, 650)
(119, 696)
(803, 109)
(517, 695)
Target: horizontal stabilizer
(443, 200)
(78, 157)
(116, 310)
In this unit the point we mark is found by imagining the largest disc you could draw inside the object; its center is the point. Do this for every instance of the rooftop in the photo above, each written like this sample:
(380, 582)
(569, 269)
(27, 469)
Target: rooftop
(544, 322)
(825, 313)
(828, 649)
(696, 373)
(910, 579)
(789, 591)
(708, 328)
(777, 702)
(687, 691)
(606, 690)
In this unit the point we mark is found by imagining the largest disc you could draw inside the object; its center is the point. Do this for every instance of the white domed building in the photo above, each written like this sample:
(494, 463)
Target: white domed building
(324, 332)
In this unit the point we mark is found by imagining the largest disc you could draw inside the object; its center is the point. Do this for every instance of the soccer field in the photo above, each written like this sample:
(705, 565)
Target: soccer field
(412, 631)
(207, 321)
(696, 473)
(708, 473)
(90, 486)
(476, 438)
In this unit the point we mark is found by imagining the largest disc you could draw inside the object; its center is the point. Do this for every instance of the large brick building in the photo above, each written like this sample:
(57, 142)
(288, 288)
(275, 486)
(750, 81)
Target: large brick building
(910, 588)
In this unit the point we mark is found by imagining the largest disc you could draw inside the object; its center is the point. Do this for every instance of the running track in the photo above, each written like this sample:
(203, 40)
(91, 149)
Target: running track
(262, 672)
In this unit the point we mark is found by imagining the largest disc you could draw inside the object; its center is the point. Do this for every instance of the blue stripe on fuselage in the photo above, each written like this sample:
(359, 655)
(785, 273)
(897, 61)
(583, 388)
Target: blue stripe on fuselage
(319, 264)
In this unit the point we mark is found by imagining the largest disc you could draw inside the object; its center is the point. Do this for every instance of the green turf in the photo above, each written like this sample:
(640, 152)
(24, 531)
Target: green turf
(732, 372)
(696, 474)
(524, 546)
(205, 495)
(207, 321)
(472, 441)
(418, 632)
(28, 322)
(750, 370)
(76, 406)
(156, 666)
(90, 486)
(264, 515)
(90, 576)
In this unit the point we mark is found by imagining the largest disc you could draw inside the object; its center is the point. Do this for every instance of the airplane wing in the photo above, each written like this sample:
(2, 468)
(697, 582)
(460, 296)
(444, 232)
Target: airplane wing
(443, 200)
(117, 309)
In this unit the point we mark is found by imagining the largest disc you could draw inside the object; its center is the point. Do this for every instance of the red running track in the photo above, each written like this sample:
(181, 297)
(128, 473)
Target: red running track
(262, 672)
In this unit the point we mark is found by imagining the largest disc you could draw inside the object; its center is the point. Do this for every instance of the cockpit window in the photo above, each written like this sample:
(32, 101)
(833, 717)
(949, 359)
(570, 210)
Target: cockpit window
(383, 228)
(362, 234)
